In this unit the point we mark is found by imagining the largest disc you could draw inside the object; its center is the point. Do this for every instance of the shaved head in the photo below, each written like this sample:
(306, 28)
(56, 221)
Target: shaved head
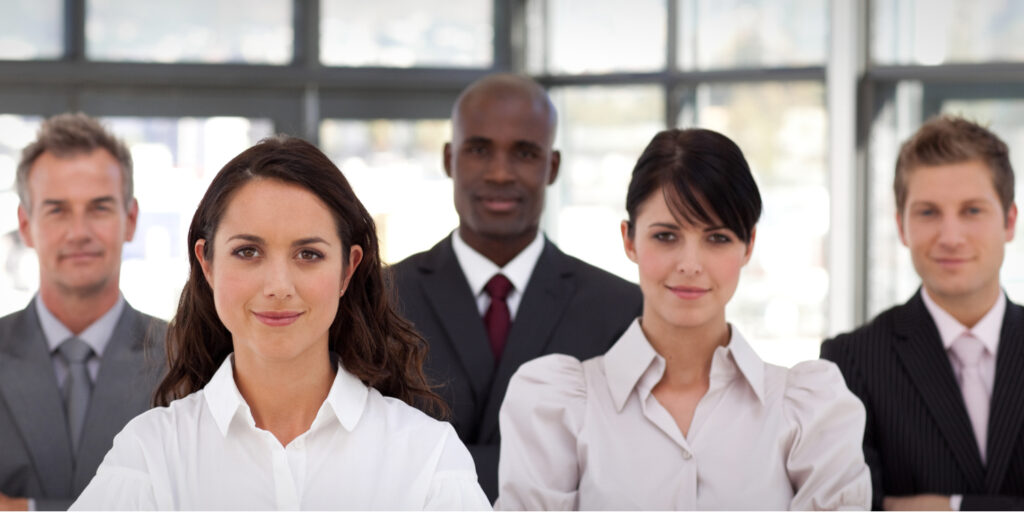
(506, 86)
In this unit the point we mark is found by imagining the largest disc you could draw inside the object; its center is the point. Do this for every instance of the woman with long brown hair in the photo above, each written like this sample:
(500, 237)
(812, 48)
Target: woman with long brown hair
(292, 379)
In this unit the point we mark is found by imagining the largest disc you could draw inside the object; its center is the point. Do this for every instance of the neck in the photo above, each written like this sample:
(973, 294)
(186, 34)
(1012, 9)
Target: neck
(284, 396)
(968, 309)
(500, 250)
(77, 312)
(687, 350)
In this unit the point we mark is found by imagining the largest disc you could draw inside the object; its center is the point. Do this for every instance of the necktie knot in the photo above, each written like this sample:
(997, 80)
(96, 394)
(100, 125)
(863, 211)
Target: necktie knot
(968, 350)
(75, 351)
(498, 287)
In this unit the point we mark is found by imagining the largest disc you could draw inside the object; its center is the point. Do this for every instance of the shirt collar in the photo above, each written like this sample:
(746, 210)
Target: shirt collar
(987, 329)
(97, 335)
(479, 270)
(346, 400)
(632, 363)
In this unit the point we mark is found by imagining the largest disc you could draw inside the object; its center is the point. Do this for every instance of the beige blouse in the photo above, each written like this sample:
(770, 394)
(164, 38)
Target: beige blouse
(591, 435)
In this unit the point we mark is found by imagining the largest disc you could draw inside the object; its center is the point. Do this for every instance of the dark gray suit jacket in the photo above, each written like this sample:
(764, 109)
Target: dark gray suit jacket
(568, 307)
(918, 437)
(35, 450)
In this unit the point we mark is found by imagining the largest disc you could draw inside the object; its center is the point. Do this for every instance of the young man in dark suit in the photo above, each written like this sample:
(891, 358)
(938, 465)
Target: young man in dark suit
(78, 362)
(942, 376)
(497, 293)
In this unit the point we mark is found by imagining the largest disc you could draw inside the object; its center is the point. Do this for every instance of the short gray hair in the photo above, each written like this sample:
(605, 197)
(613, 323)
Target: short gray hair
(67, 135)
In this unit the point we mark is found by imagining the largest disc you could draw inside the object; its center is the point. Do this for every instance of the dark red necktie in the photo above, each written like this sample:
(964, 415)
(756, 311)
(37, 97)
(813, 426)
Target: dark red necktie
(497, 318)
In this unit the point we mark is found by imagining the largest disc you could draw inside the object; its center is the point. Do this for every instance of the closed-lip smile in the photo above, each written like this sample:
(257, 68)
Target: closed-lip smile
(277, 318)
(689, 292)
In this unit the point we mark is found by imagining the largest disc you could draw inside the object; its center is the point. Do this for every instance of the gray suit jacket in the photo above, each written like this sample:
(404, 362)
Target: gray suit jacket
(568, 307)
(36, 460)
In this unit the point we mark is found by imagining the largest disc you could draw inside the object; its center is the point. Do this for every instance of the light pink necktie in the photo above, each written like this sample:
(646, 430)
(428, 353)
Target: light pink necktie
(968, 350)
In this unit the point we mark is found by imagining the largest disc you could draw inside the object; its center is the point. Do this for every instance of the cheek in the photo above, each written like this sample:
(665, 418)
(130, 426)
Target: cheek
(654, 266)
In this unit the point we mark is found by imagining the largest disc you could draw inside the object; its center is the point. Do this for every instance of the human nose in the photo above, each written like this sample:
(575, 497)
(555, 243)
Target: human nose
(952, 232)
(499, 169)
(79, 228)
(277, 280)
(689, 260)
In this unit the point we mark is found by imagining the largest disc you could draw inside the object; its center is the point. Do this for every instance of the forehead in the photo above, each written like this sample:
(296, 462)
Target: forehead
(961, 181)
(86, 174)
(274, 209)
(501, 115)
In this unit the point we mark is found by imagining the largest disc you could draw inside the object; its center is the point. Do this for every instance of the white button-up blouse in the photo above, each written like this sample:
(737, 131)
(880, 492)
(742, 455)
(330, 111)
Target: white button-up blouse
(363, 451)
(591, 435)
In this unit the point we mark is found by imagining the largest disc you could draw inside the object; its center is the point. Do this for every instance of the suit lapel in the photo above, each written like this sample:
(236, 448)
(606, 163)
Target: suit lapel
(1006, 416)
(546, 296)
(452, 301)
(921, 352)
(117, 395)
(29, 388)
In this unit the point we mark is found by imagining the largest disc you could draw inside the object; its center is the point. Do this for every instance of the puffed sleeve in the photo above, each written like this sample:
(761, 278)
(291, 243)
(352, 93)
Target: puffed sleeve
(539, 420)
(121, 482)
(454, 485)
(825, 461)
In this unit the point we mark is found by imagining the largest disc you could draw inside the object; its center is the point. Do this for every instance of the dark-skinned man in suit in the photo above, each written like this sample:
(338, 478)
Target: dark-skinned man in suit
(497, 293)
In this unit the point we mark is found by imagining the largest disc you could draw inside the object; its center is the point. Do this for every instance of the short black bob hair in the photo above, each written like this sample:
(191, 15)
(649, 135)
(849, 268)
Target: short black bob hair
(704, 177)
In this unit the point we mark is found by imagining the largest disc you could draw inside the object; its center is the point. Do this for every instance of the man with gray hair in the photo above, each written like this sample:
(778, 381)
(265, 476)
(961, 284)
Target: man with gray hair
(78, 362)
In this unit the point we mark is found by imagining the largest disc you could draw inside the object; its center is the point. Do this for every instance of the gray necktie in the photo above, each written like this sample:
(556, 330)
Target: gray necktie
(78, 386)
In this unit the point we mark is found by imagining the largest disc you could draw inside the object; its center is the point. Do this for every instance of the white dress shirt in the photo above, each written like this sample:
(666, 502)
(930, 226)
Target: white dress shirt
(363, 451)
(592, 435)
(478, 270)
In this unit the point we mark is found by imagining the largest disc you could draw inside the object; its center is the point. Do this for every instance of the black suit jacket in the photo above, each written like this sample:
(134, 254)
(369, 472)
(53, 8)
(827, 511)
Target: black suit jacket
(568, 307)
(918, 437)
(36, 460)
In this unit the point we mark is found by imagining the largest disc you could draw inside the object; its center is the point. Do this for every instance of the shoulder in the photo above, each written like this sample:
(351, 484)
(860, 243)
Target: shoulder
(13, 322)
(158, 431)
(397, 418)
(554, 378)
(411, 266)
(817, 387)
(422, 440)
(879, 331)
(591, 275)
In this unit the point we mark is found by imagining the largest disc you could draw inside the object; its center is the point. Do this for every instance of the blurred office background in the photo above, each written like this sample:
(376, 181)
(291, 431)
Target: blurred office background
(818, 93)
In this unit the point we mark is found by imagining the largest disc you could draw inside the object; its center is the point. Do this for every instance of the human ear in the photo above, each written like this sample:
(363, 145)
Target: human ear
(1011, 221)
(556, 164)
(899, 228)
(448, 159)
(204, 263)
(750, 245)
(628, 244)
(23, 227)
(132, 219)
(355, 256)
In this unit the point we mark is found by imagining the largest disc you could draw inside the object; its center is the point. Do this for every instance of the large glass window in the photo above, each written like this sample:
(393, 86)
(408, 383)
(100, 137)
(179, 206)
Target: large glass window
(934, 32)
(718, 34)
(595, 36)
(781, 302)
(31, 29)
(396, 169)
(406, 33)
(19, 268)
(209, 31)
(602, 131)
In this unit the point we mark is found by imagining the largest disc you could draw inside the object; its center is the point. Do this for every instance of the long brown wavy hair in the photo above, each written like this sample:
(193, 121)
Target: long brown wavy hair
(372, 340)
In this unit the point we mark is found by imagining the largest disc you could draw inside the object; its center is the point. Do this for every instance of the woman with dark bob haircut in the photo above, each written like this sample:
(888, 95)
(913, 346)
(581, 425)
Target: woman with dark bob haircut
(292, 379)
(681, 413)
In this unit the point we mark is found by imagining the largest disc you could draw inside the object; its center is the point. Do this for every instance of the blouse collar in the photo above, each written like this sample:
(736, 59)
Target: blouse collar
(345, 401)
(632, 363)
